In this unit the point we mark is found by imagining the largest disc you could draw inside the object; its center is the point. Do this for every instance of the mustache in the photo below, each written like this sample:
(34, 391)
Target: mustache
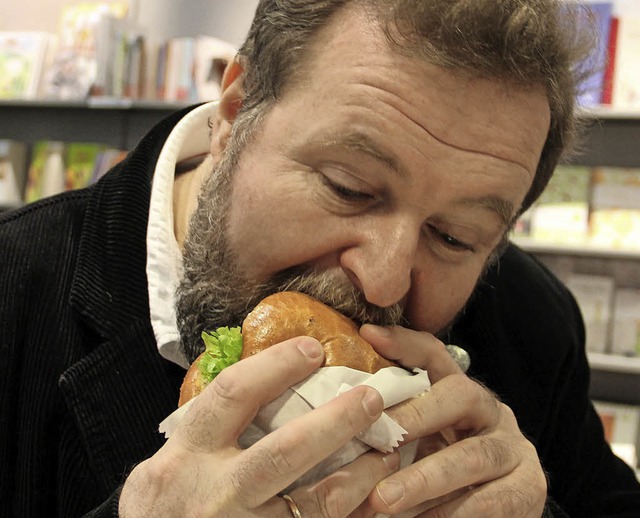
(336, 291)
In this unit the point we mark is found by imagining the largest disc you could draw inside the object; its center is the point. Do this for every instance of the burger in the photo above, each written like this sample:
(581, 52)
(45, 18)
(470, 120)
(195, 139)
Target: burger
(277, 318)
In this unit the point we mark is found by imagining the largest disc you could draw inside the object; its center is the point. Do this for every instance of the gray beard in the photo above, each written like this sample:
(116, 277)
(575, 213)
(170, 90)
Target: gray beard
(213, 292)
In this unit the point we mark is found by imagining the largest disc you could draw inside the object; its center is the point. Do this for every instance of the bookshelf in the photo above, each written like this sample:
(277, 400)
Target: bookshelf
(611, 139)
(115, 122)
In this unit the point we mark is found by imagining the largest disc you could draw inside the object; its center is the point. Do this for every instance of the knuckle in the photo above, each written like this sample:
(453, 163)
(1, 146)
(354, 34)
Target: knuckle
(227, 388)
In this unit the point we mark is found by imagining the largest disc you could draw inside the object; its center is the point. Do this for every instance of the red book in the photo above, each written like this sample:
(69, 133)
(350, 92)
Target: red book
(607, 87)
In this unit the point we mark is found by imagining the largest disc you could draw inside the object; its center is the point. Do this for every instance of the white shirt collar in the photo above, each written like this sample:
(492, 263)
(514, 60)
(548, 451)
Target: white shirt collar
(190, 137)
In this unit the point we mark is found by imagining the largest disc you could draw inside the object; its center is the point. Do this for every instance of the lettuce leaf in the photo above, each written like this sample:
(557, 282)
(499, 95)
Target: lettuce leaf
(222, 348)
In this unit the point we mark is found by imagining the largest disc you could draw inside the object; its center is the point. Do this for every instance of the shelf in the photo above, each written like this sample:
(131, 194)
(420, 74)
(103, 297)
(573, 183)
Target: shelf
(583, 249)
(118, 123)
(610, 113)
(614, 363)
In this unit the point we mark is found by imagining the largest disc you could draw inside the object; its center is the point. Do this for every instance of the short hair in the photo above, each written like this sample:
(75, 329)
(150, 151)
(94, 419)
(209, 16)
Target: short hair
(521, 42)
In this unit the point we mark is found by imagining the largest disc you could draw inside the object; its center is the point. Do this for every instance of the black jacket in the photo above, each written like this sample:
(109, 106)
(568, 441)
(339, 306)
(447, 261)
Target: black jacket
(83, 388)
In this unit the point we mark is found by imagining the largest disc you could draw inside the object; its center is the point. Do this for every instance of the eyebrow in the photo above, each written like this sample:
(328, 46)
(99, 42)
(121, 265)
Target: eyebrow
(362, 143)
(503, 208)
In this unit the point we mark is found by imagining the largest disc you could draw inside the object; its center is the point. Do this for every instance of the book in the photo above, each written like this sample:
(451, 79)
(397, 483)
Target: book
(592, 88)
(615, 207)
(74, 68)
(561, 214)
(609, 72)
(33, 188)
(621, 425)
(626, 74)
(10, 195)
(22, 60)
(79, 160)
(212, 56)
(16, 154)
(625, 339)
(594, 295)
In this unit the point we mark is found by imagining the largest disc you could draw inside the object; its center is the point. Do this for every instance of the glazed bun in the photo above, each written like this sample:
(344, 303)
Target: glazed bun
(288, 314)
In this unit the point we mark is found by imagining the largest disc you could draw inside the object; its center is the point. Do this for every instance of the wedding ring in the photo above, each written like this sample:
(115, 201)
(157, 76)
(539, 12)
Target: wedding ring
(295, 512)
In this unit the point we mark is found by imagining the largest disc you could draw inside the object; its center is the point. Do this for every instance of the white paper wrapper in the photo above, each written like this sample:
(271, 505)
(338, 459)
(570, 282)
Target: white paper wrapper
(393, 383)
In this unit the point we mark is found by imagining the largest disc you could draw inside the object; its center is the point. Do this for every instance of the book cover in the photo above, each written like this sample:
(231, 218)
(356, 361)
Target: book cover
(212, 57)
(615, 207)
(626, 78)
(561, 214)
(80, 159)
(10, 195)
(594, 295)
(609, 73)
(625, 339)
(592, 88)
(17, 154)
(22, 60)
(33, 189)
(74, 69)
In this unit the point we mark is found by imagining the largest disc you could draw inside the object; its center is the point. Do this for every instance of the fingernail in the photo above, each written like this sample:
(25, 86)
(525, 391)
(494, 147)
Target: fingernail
(372, 403)
(392, 461)
(310, 348)
(390, 492)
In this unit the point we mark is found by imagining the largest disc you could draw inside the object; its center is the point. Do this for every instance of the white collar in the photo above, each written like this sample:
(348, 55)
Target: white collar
(190, 137)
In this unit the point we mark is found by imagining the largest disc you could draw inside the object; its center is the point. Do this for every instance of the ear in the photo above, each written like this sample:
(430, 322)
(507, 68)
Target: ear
(230, 103)
(232, 91)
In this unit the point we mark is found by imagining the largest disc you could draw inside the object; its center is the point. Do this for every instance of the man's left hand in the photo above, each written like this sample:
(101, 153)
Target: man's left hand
(473, 460)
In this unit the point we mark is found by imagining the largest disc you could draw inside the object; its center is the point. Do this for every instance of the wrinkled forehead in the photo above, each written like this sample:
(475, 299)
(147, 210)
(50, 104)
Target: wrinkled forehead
(491, 115)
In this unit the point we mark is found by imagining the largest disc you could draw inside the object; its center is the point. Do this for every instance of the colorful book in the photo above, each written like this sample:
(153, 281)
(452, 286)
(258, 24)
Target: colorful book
(592, 88)
(626, 77)
(80, 159)
(615, 207)
(561, 214)
(73, 73)
(22, 59)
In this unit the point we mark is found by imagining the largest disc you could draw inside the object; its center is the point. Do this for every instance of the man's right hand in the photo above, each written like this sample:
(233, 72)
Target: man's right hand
(201, 471)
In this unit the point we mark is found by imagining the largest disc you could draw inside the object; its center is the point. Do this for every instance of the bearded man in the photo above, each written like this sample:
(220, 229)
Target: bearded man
(373, 154)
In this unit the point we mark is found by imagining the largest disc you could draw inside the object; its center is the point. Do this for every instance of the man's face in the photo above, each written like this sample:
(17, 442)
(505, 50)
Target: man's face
(381, 173)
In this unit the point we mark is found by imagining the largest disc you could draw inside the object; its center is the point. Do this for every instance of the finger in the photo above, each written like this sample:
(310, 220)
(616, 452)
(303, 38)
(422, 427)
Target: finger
(342, 493)
(411, 349)
(456, 402)
(466, 463)
(278, 459)
(220, 414)
(511, 497)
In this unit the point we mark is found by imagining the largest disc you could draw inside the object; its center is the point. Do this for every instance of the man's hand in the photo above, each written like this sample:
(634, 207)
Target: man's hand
(201, 471)
(473, 460)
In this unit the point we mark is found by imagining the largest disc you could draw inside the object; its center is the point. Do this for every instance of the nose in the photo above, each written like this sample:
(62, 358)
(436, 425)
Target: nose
(383, 259)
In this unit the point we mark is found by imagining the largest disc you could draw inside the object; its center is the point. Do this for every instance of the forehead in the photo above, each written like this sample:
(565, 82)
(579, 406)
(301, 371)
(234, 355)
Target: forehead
(481, 115)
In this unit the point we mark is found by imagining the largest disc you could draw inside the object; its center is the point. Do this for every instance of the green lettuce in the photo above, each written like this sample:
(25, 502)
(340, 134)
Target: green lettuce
(222, 348)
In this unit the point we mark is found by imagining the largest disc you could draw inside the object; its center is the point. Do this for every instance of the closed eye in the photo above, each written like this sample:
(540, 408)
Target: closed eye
(345, 193)
(449, 241)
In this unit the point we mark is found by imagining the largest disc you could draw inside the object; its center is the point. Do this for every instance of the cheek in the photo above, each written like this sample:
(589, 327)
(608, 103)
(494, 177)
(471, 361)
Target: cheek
(437, 297)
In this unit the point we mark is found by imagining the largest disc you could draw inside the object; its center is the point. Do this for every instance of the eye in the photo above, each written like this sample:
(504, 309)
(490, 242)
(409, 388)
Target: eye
(346, 193)
(449, 241)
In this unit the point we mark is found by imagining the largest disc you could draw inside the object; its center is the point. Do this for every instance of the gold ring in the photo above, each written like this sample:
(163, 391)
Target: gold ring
(295, 512)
